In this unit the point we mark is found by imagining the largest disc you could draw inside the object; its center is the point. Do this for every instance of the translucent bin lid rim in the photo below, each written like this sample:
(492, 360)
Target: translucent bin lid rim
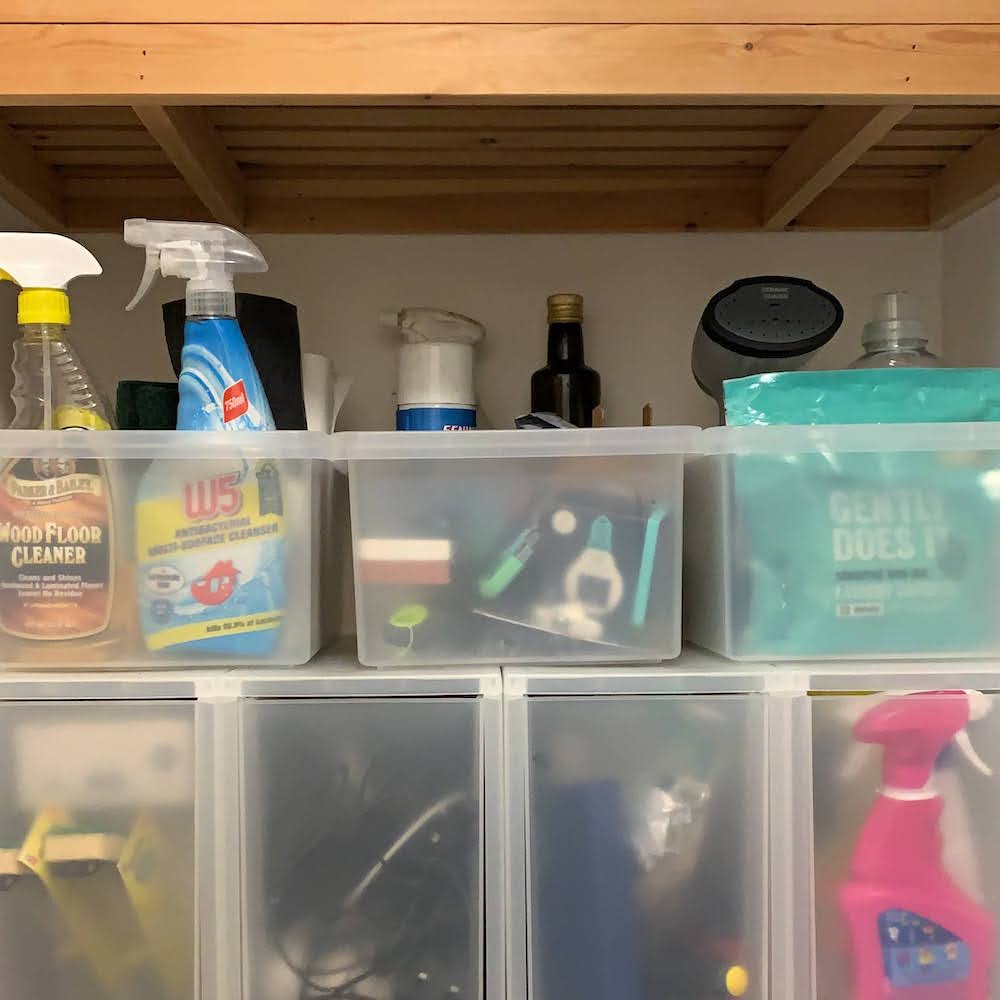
(602, 442)
(789, 439)
(172, 445)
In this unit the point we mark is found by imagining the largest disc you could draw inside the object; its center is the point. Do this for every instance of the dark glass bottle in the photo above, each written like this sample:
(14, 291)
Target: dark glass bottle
(566, 386)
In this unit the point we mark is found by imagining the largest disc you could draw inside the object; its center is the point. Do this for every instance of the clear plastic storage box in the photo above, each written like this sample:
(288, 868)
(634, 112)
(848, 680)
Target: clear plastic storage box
(507, 546)
(98, 880)
(850, 541)
(152, 549)
(637, 838)
(882, 918)
(371, 846)
(324, 831)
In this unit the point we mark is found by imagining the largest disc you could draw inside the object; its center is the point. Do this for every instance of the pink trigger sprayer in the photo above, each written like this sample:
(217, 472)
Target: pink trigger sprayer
(914, 934)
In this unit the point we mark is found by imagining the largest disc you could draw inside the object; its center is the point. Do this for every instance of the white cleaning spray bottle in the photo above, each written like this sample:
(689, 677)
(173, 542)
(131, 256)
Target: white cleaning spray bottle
(436, 385)
(52, 390)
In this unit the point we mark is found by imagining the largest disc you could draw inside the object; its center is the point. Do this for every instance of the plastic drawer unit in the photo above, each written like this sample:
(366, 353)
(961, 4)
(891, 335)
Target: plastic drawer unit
(637, 835)
(887, 833)
(842, 542)
(507, 546)
(372, 853)
(104, 789)
(151, 549)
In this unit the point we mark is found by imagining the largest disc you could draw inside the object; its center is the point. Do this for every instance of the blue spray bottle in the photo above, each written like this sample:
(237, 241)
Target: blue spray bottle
(210, 533)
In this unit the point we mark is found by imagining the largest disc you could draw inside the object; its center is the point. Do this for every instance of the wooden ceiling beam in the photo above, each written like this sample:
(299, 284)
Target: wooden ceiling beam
(834, 141)
(32, 187)
(506, 11)
(968, 183)
(286, 64)
(201, 157)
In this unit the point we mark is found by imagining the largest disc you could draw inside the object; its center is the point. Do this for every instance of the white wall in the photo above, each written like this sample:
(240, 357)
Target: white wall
(971, 292)
(644, 296)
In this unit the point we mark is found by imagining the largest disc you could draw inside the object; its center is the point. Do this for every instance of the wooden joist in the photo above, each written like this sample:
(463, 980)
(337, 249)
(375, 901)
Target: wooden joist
(634, 63)
(201, 158)
(28, 184)
(968, 183)
(507, 11)
(482, 167)
(833, 142)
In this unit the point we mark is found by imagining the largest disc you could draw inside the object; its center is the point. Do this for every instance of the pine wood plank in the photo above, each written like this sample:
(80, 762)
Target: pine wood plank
(876, 208)
(56, 138)
(194, 147)
(508, 11)
(507, 139)
(507, 157)
(885, 156)
(104, 155)
(277, 63)
(834, 141)
(935, 138)
(943, 116)
(75, 117)
(360, 186)
(505, 117)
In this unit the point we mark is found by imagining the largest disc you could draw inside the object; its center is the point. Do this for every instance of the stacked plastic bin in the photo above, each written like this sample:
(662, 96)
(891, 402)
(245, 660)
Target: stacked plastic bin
(860, 562)
(636, 786)
(537, 794)
(246, 828)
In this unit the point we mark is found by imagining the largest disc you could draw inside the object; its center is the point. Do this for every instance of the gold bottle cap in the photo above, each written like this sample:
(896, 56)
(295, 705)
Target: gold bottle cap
(565, 308)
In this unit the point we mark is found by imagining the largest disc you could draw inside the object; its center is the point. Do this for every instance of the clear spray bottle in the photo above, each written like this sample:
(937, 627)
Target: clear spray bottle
(220, 388)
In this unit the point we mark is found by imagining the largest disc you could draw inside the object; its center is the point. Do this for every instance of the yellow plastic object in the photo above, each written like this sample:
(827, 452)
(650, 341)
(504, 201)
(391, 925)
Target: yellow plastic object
(73, 418)
(43, 305)
(95, 908)
(737, 981)
(161, 893)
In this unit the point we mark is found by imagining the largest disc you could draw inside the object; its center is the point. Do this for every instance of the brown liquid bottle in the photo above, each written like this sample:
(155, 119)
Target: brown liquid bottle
(57, 527)
(566, 386)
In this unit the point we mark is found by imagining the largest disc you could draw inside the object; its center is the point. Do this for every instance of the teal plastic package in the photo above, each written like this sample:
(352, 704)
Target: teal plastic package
(864, 542)
(865, 396)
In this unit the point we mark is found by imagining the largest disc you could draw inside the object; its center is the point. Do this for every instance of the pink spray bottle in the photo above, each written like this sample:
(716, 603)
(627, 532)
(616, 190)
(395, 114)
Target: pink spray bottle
(914, 934)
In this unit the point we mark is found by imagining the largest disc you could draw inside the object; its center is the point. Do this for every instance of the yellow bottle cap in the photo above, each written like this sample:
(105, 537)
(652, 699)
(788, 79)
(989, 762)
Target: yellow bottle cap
(43, 305)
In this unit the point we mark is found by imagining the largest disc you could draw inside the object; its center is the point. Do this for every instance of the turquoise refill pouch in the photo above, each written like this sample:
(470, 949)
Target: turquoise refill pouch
(873, 541)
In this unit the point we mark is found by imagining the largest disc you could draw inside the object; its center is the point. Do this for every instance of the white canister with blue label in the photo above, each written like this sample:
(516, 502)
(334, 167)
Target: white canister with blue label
(436, 384)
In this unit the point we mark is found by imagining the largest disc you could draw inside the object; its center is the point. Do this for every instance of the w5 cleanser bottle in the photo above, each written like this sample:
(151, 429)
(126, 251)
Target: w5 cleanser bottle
(210, 534)
(56, 521)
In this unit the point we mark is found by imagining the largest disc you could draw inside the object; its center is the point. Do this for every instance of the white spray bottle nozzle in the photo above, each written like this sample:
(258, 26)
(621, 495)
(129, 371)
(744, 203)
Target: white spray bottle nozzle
(149, 276)
(206, 255)
(964, 744)
(980, 704)
(44, 260)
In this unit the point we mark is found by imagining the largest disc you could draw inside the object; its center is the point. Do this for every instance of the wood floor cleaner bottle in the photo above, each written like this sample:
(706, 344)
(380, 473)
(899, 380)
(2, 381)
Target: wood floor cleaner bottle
(57, 566)
(210, 533)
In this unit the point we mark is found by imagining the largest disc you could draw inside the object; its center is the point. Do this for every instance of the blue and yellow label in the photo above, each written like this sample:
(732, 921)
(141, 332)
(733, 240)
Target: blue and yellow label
(919, 952)
(211, 552)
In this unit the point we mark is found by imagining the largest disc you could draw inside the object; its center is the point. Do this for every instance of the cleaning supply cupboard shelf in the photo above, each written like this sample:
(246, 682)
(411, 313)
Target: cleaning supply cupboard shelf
(518, 115)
